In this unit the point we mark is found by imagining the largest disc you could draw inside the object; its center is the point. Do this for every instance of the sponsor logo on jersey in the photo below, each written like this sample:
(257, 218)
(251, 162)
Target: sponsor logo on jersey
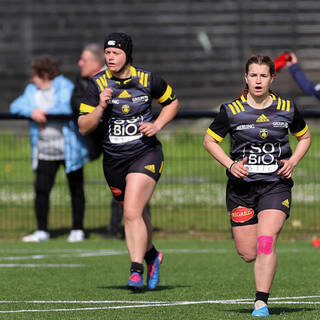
(116, 191)
(141, 98)
(115, 101)
(124, 94)
(151, 167)
(125, 108)
(286, 203)
(262, 118)
(263, 133)
(245, 127)
(242, 214)
(280, 124)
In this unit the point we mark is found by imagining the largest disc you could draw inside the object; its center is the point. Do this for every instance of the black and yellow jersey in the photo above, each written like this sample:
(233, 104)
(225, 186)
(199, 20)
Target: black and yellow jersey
(130, 105)
(259, 134)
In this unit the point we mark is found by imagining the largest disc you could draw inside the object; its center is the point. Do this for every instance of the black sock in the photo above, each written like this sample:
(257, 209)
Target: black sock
(150, 255)
(263, 296)
(136, 267)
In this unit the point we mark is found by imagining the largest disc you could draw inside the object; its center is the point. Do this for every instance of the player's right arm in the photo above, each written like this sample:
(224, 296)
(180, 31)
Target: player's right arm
(214, 135)
(90, 115)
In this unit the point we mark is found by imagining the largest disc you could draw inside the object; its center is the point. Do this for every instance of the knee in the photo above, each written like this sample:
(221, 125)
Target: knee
(247, 255)
(131, 215)
(265, 245)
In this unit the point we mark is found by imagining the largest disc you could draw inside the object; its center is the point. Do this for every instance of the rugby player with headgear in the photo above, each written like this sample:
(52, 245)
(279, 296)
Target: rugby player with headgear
(259, 169)
(118, 100)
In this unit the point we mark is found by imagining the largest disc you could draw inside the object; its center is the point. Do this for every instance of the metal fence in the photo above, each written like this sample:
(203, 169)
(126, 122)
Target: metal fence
(189, 198)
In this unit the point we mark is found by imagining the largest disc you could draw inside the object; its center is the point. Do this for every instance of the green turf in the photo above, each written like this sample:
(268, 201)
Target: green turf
(192, 271)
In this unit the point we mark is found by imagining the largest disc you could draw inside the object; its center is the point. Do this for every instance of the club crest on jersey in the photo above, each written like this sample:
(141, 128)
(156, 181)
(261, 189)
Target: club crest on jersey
(125, 109)
(263, 133)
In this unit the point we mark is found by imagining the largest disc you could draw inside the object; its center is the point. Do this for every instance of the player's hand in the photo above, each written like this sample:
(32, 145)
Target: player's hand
(39, 116)
(238, 169)
(149, 129)
(286, 170)
(292, 59)
(104, 97)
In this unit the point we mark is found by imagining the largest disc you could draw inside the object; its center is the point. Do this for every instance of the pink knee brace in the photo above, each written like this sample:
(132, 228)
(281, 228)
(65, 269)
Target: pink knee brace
(265, 244)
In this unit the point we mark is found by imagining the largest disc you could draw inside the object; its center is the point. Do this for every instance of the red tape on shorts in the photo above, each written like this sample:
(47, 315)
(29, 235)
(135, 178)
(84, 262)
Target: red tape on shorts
(241, 214)
(265, 245)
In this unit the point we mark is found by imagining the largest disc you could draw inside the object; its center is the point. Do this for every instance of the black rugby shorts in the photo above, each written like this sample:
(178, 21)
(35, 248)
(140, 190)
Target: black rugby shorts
(150, 162)
(257, 196)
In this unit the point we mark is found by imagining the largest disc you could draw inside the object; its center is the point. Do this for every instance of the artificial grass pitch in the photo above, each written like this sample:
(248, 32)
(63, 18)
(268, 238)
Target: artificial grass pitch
(199, 280)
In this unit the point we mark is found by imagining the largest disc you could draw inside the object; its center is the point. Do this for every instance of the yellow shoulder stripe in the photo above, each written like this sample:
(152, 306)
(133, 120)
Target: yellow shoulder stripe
(283, 105)
(143, 78)
(240, 105)
(133, 71)
(166, 95)
(214, 135)
(302, 132)
(236, 107)
(102, 82)
(85, 108)
(231, 108)
(109, 74)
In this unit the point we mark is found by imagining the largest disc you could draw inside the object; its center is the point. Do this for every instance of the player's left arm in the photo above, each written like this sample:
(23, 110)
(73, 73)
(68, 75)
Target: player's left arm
(308, 86)
(300, 130)
(164, 94)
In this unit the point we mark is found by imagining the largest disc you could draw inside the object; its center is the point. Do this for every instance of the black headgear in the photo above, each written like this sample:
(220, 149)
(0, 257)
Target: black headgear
(121, 41)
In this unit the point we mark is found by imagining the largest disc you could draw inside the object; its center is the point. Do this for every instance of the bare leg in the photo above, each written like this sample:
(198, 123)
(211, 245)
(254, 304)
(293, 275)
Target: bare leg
(147, 221)
(245, 238)
(138, 228)
(269, 227)
(252, 241)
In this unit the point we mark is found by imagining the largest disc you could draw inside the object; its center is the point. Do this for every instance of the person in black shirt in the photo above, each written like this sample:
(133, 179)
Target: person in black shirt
(259, 168)
(118, 100)
(91, 62)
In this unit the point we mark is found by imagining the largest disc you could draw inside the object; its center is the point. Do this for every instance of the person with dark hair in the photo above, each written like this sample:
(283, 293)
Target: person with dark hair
(54, 143)
(259, 169)
(91, 62)
(119, 101)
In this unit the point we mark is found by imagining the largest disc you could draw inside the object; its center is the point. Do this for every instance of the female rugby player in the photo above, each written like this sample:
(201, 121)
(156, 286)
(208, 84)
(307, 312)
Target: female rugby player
(118, 103)
(259, 169)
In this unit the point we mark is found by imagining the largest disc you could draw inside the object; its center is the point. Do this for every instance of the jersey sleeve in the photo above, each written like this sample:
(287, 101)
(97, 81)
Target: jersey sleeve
(90, 99)
(298, 126)
(161, 91)
(219, 128)
(304, 83)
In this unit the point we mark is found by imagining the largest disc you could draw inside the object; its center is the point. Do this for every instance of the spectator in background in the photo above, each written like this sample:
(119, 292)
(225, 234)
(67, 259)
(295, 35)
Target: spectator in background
(309, 87)
(91, 62)
(54, 143)
(120, 99)
(259, 169)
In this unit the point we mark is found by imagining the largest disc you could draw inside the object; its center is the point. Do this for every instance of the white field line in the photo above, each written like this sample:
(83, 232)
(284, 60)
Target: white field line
(145, 304)
(46, 265)
(96, 253)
